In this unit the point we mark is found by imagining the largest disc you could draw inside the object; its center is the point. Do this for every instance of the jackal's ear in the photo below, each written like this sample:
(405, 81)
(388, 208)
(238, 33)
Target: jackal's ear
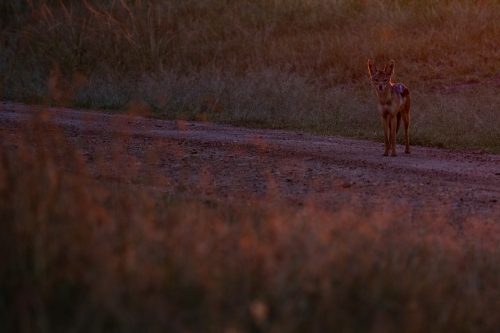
(371, 67)
(389, 69)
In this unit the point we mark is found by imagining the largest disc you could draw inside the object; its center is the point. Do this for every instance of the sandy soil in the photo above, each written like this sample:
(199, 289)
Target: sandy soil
(301, 169)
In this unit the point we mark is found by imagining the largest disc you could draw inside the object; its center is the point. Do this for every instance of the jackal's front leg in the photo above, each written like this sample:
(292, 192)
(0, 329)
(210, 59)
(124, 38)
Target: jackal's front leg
(393, 122)
(385, 123)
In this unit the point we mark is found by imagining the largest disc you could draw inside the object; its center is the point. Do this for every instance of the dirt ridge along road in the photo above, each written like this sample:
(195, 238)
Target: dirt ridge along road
(241, 163)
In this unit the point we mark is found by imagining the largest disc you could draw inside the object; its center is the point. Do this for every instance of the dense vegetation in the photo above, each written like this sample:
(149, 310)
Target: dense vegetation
(285, 63)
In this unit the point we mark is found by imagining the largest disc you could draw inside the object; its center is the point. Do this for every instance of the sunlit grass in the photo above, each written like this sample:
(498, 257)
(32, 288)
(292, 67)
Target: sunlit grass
(287, 64)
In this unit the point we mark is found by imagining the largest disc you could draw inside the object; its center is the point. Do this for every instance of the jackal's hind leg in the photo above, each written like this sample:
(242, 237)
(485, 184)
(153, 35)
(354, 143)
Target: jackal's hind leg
(406, 120)
(393, 125)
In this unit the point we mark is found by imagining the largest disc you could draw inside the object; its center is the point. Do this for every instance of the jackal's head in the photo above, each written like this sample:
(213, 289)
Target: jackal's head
(380, 78)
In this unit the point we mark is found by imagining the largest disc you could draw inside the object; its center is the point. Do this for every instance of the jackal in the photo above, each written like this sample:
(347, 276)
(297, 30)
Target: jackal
(393, 104)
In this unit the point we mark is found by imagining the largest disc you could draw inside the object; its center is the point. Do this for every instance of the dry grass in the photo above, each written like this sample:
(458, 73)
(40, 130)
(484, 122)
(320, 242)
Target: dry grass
(87, 256)
(283, 63)
(84, 256)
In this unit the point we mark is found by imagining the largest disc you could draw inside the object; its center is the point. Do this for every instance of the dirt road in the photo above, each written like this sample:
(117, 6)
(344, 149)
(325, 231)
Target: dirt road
(302, 169)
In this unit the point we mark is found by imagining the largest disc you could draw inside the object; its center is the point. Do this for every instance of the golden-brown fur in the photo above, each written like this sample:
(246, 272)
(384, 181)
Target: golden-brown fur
(393, 104)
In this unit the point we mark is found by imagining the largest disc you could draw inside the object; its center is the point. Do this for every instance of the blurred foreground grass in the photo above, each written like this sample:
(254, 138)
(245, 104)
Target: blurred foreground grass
(280, 64)
(84, 255)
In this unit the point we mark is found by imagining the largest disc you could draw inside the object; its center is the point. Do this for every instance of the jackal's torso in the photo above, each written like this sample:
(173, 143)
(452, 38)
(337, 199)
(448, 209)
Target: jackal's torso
(393, 98)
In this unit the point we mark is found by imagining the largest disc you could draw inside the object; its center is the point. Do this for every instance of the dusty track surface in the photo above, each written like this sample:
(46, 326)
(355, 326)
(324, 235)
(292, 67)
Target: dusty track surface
(301, 169)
